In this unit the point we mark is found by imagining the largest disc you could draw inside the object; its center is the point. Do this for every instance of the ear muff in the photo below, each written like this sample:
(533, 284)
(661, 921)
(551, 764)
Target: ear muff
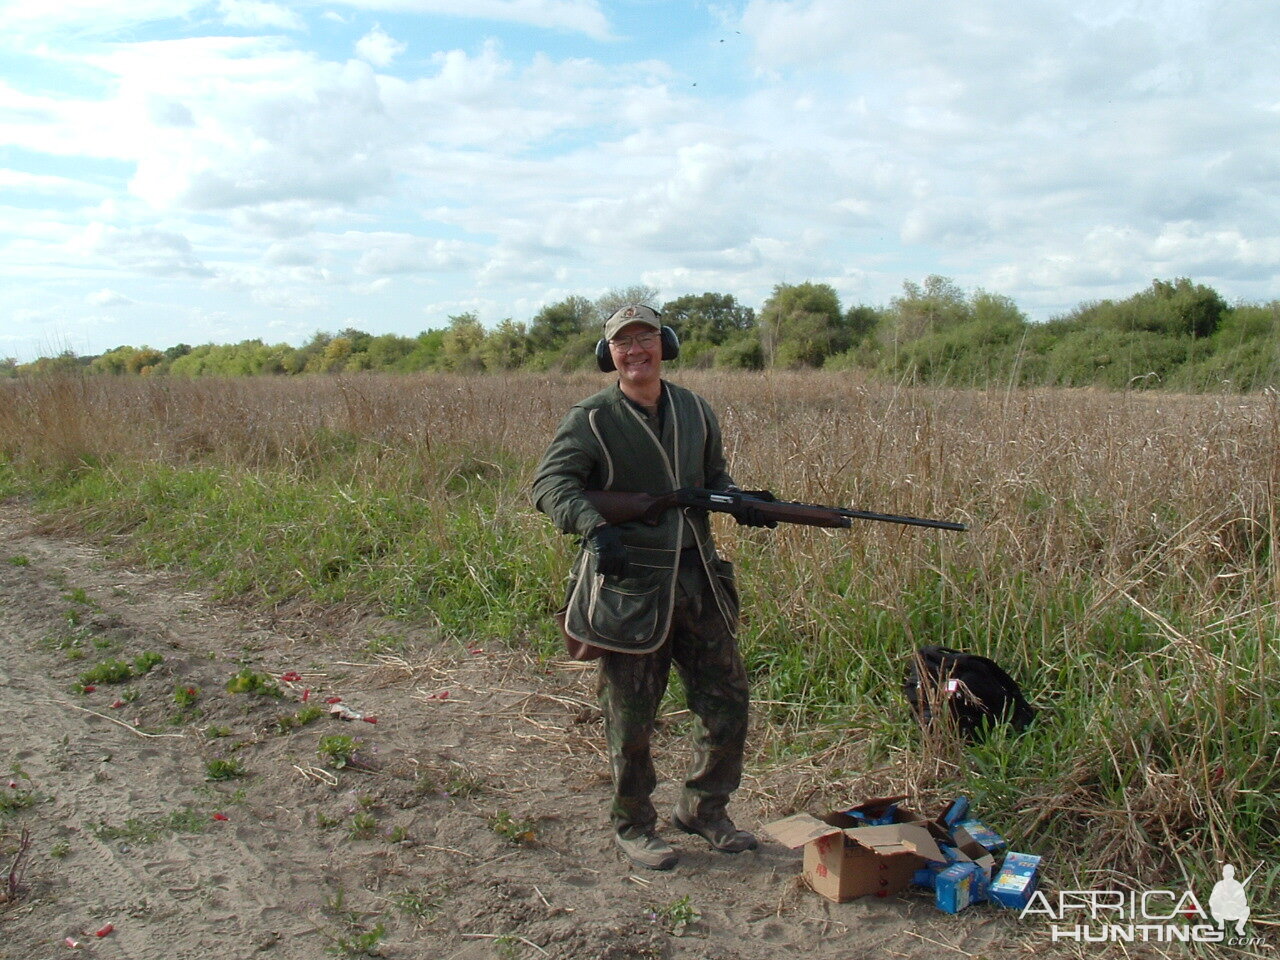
(670, 350)
(670, 344)
(604, 359)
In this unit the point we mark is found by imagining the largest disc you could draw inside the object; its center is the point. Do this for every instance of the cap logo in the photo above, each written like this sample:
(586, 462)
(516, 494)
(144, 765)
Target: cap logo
(629, 312)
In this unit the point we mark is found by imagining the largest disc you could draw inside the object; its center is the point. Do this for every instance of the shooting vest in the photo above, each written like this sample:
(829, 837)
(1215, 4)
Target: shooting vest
(621, 451)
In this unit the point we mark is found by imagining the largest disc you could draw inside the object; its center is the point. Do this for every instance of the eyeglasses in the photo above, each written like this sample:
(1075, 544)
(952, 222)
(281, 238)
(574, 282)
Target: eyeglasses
(644, 341)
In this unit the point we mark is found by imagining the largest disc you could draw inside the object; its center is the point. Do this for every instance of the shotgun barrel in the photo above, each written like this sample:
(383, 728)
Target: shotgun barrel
(626, 507)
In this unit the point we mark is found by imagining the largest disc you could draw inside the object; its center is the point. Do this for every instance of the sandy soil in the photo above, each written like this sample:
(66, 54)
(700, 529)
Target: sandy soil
(471, 824)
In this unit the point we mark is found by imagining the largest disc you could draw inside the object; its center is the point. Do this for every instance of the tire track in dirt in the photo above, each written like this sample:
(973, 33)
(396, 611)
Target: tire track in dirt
(94, 776)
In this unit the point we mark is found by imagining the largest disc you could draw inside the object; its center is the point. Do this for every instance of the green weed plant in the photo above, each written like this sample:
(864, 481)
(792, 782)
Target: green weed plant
(337, 749)
(248, 680)
(520, 831)
(220, 769)
(677, 916)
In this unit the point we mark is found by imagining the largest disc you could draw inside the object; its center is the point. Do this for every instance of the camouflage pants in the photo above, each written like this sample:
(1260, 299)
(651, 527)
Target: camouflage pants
(715, 680)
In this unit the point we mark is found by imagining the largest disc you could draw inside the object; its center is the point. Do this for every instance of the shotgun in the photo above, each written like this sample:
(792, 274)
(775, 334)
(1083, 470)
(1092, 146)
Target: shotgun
(618, 507)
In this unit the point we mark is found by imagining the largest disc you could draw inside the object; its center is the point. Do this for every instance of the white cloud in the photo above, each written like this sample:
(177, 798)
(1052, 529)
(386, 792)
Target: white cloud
(289, 218)
(266, 126)
(28, 183)
(378, 47)
(574, 16)
(385, 254)
(256, 15)
(370, 288)
(89, 16)
(147, 250)
(60, 126)
(1006, 130)
(103, 17)
(945, 222)
(290, 255)
(108, 298)
(281, 298)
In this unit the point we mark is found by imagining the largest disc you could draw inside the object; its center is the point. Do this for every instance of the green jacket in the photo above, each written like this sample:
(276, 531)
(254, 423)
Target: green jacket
(605, 443)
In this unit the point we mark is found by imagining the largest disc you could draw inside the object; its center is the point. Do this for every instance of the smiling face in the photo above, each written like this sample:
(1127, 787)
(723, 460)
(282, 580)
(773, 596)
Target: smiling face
(639, 363)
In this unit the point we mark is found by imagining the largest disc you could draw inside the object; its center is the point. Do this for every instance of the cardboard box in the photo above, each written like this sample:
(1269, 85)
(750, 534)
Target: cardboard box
(844, 861)
(959, 886)
(975, 831)
(1017, 880)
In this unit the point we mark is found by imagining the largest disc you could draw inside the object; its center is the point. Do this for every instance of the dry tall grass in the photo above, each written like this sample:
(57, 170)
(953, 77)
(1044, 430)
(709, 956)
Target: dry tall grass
(1154, 493)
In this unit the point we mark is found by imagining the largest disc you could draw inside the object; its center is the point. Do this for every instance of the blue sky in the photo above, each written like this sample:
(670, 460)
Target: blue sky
(179, 171)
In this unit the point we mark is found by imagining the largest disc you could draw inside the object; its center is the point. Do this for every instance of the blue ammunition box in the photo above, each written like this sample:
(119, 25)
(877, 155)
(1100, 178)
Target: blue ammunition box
(959, 886)
(927, 876)
(956, 811)
(980, 833)
(1016, 880)
(875, 813)
(868, 820)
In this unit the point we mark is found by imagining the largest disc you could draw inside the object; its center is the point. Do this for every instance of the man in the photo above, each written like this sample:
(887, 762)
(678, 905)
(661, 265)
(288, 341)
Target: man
(650, 595)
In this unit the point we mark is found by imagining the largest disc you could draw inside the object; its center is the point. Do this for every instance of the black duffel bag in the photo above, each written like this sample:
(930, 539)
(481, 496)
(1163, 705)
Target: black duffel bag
(975, 690)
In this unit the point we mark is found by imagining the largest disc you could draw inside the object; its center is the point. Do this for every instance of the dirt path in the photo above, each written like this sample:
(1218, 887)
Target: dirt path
(471, 823)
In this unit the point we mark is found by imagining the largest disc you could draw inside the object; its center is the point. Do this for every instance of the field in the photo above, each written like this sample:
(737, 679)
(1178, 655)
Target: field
(1120, 563)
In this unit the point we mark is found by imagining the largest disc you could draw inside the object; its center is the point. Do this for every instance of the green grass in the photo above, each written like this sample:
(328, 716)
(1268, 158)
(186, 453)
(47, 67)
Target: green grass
(108, 671)
(153, 828)
(186, 696)
(117, 671)
(305, 716)
(71, 644)
(248, 680)
(421, 904)
(397, 552)
(354, 938)
(11, 801)
(358, 942)
(220, 769)
(363, 826)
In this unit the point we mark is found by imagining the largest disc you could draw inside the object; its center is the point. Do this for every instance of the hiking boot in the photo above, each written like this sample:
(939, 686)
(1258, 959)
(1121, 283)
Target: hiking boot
(648, 850)
(718, 830)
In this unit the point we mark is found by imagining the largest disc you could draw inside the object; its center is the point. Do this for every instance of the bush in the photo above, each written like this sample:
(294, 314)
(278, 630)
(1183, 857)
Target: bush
(741, 353)
(1120, 359)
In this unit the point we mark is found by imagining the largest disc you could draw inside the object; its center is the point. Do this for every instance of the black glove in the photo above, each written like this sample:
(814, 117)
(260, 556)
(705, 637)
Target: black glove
(611, 555)
(751, 516)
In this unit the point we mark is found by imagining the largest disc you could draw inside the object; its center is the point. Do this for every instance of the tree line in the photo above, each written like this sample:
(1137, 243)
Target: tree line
(1175, 334)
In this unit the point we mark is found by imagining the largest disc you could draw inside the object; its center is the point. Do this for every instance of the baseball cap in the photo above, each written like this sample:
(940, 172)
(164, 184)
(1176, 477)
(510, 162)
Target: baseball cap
(631, 313)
